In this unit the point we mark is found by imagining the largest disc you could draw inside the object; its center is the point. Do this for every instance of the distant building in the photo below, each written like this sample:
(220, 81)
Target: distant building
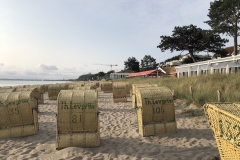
(169, 71)
(150, 73)
(230, 50)
(174, 63)
(118, 75)
(185, 60)
(226, 65)
(121, 74)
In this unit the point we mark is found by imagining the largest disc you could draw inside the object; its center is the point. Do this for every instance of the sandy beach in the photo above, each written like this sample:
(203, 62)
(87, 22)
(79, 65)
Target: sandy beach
(119, 137)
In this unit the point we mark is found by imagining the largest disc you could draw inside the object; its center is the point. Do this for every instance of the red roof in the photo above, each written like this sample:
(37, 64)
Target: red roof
(145, 73)
(230, 49)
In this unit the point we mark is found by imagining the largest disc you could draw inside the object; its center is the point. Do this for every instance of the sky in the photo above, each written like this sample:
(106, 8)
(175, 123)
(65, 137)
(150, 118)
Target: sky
(63, 39)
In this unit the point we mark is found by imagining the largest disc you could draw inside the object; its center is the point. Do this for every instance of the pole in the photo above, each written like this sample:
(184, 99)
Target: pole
(219, 95)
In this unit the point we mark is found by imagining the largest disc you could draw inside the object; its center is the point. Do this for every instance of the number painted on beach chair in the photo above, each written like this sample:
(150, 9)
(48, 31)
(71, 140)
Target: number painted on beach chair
(76, 118)
(159, 110)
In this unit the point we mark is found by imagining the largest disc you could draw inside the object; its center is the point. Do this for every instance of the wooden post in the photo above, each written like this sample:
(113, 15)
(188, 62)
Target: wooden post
(219, 95)
(173, 94)
(191, 91)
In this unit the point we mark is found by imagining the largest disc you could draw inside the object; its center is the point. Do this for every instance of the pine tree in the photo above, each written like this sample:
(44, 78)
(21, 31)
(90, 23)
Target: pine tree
(191, 39)
(224, 18)
(132, 64)
(148, 63)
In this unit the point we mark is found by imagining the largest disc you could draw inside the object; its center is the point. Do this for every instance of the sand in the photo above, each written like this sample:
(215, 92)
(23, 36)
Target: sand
(119, 137)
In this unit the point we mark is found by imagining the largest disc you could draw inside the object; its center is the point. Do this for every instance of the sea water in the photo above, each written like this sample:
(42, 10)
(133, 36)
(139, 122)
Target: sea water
(28, 82)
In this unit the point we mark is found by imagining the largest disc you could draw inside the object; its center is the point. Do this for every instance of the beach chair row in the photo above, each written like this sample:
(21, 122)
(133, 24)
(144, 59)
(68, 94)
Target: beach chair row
(77, 116)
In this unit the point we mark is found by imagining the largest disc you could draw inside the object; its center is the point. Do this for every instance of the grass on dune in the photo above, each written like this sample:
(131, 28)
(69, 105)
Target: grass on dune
(204, 87)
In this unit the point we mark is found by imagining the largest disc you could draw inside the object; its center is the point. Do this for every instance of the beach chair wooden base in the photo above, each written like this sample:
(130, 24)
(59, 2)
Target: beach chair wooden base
(110, 91)
(119, 99)
(86, 140)
(20, 131)
(157, 129)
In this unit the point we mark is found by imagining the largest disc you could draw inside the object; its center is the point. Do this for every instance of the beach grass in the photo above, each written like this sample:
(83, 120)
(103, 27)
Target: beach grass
(204, 88)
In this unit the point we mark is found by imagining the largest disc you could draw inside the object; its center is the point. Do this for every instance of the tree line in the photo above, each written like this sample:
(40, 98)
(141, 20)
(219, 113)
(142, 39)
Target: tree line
(130, 65)
(97, 76)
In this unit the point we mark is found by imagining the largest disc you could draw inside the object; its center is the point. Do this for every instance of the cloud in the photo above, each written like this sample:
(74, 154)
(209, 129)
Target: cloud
(35, 72)
(45, 67)
(41, 72)
(69, 70)
(1, 64)
(11, 73)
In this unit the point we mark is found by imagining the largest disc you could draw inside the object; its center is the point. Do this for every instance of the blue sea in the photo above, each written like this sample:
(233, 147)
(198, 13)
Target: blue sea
(28, 82)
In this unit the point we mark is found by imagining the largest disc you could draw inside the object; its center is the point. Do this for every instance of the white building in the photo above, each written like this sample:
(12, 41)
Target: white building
(173, 63)
(226, 65)
(118, 75)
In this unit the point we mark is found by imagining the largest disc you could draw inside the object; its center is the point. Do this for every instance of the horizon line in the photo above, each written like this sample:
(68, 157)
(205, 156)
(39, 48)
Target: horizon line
(37, 79)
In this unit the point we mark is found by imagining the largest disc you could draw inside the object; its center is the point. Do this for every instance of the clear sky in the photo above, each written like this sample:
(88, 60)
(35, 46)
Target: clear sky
(55, 39)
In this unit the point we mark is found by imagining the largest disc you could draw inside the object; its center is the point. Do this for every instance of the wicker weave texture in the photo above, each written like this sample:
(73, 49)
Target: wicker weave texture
(84, 88)
(155, 111)
(16, 109)
(20, 131)
(78, 140)
(158, 128)
(34, 91)
(97, 84)
(106, 87)
(64, 86)
(77, 84)
(91, 85)
(17, 115)
(134, 102)
(77, 111)
(120, 91)
(2, 90)
(53, 91)
(22, 86)
(224, 119)
(6, 87)
(40, 90)
(141, 85)
(156, 104)
(45, 88)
